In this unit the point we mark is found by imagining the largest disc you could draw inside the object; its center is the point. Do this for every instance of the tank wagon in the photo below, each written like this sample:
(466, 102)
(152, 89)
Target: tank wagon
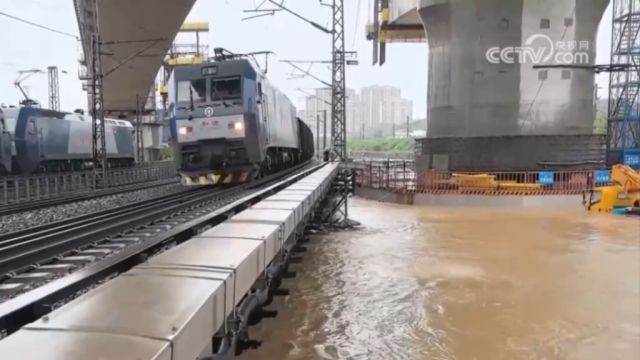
(229, 124)
(51, 141)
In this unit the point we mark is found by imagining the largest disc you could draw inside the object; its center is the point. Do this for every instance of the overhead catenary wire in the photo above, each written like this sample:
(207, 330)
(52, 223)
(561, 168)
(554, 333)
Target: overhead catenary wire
(38, 25)
(355, 32)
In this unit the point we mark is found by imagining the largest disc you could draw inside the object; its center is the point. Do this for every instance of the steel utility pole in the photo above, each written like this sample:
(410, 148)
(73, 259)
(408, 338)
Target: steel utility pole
(318, 135)
(338, 95)
(139, 138)
(324, 134)
(54, 88)
(339, 113)
(338, 151)
(407, 127)
(97, 110)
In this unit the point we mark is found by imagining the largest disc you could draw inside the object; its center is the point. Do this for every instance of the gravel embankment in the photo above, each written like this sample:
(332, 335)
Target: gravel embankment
(22, 220)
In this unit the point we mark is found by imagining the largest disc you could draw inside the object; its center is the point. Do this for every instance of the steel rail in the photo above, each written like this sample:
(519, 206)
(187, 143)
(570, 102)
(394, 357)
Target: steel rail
(70, 225)
(36, 303)
(55, 239)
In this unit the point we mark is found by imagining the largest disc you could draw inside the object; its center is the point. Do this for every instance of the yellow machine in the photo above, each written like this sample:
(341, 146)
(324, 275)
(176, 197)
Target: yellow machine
(623, 197)
(490, 182)
(184, 54)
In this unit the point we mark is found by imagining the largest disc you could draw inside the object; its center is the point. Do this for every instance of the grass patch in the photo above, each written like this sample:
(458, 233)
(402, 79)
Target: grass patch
(382, 145)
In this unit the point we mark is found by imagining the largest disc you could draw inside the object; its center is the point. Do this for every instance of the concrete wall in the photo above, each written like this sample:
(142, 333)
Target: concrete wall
(469, 96)
(152, 139)
(547, 201)
(509, 202)
(510, 153)
(385, 196)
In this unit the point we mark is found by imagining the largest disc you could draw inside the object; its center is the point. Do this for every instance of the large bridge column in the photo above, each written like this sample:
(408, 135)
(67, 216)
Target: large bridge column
(469, 96)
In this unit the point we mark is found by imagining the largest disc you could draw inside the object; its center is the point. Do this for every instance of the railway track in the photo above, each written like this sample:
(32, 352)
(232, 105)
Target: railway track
(36, 245)
(49, 264)
(32, 257)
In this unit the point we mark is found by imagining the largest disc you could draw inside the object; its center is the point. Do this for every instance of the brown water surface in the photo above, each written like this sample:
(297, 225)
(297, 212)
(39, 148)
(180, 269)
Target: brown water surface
(463, 283)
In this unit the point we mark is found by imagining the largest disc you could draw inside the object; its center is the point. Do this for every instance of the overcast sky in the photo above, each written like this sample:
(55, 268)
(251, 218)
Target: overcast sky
(24, 47)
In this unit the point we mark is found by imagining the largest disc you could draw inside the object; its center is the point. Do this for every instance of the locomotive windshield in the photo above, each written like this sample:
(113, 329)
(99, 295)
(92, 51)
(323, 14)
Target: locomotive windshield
(192, 89)
(226, 89)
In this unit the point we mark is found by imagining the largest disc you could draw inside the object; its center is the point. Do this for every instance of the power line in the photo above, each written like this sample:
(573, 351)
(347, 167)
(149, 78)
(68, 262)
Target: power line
(39, 26)
(306, 72)
(355, 32)
(312, 23)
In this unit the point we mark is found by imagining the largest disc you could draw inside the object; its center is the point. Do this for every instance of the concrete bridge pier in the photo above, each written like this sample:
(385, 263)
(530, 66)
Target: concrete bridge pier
(469, 95)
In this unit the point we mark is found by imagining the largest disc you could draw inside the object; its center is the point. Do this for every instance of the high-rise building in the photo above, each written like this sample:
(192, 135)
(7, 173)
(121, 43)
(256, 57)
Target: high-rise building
(401, 109)
(371, 112)
(354, 118)
(382, 106)
(316, 106)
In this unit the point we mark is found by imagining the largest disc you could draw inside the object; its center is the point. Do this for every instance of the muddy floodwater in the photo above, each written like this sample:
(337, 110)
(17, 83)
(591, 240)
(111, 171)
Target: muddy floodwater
(462, 283)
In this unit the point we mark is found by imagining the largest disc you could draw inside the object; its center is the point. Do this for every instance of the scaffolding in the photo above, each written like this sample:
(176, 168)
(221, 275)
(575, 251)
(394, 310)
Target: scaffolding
(623, 144)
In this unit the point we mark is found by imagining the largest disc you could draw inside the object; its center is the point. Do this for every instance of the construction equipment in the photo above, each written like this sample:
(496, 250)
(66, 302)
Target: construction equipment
(621, 197)
(486, 182)
(184, 54)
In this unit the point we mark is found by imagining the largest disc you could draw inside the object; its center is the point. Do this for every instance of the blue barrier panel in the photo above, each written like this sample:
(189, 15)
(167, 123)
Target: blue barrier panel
(632, 159)
(602, 176)
(545, 177)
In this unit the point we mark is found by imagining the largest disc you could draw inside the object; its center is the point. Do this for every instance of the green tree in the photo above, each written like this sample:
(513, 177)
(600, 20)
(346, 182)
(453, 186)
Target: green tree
(166, 153)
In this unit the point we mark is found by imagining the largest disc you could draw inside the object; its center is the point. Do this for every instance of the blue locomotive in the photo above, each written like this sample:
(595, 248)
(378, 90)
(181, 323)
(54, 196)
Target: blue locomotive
(44, 140)
(228, 121)
(5, 147)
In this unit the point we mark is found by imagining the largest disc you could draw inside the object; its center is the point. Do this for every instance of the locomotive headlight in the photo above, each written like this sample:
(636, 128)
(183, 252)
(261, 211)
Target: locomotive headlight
(238, 125)
(185, 130)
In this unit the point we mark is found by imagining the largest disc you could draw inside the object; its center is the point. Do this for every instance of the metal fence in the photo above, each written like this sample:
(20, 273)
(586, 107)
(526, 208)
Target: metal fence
(507, 183)
(381, 155)
(395, 175)
(118, 177)
(400, 176)
(17, 189)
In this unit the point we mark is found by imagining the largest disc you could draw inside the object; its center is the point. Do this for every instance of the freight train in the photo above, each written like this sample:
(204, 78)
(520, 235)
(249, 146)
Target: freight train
(35, 140)
(229, 124)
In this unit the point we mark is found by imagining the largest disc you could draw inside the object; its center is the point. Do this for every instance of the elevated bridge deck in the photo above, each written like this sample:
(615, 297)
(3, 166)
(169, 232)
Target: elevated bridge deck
(136, 36)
